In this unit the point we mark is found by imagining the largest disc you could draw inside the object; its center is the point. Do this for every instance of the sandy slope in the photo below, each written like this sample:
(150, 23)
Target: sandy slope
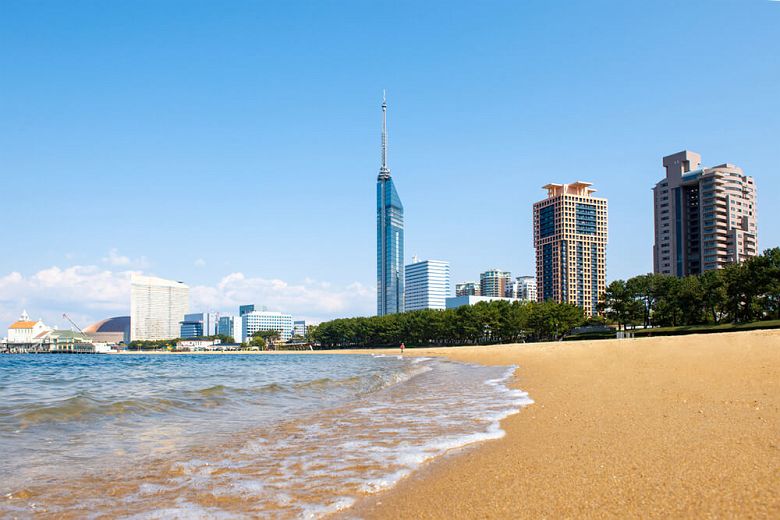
(659, 427)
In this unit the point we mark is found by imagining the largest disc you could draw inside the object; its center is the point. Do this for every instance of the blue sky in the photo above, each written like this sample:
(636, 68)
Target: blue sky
(235, 145)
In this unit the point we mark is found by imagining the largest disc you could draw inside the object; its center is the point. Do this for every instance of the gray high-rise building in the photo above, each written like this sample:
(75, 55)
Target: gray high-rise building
(705, 218)
(389, 236)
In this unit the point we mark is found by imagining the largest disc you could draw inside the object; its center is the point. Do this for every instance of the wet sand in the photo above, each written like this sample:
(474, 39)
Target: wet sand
(659, 427)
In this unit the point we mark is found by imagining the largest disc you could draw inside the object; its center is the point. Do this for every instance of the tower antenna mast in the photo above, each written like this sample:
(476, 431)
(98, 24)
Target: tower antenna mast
(384, 171)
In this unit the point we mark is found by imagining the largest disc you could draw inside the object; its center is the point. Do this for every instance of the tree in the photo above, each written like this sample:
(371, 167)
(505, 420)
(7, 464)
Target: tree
(311, 333)
(714, 297)
(644, 289)
(257, 340)
(619, 304)
(688, 297)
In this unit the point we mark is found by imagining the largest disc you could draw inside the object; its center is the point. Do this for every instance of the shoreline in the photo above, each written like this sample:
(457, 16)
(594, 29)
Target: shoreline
(648, 427)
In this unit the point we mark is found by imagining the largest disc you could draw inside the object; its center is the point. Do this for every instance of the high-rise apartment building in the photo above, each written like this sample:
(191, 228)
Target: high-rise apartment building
(157, 306)
(389, 236)
(570, 237)
(705, 218)
(527, 288)
(427, 285)
(468, 289)
(494, 282)
(522, 288)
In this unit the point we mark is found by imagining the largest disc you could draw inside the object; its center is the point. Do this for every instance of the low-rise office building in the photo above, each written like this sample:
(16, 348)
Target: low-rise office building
(460, 301)
(255, 321)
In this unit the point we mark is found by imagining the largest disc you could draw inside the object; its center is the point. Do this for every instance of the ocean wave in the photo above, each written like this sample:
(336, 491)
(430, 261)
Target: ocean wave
(318, 457)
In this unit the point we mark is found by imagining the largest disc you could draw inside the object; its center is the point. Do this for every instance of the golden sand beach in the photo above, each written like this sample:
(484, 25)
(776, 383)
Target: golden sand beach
(684, 427)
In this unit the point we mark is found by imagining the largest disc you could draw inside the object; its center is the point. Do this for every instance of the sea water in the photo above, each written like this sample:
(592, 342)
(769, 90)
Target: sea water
(230, 436)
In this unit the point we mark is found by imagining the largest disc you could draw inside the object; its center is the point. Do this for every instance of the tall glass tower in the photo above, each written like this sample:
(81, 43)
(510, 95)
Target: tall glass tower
(389, 236)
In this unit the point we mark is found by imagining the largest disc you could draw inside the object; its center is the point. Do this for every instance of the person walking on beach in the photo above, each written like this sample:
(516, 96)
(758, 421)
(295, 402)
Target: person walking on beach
(402, 348)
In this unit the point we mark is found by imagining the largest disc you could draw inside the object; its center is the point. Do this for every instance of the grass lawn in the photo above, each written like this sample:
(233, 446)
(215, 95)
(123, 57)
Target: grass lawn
(704, 329)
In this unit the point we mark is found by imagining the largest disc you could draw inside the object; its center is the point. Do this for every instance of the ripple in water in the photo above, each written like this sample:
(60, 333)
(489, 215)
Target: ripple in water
(295, 436)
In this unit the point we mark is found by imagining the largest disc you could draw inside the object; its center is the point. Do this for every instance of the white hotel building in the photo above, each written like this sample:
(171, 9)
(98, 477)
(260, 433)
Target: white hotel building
(157, 306)
(254, 321)
(427, 285)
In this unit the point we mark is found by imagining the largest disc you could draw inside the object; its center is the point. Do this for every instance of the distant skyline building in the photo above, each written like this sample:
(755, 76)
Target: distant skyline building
(254, 321)
(427, 285)
(25, 330)
(157, 306)
(705, 218)
(238, 329)
(527, 288)
(522, 288)
(493, 283)
(460, 301)
(389, 236)
(198, 324)
(299, 328)
(243, 309)
(570, 238)
(468, 289)
(225, 326)
(110, 330)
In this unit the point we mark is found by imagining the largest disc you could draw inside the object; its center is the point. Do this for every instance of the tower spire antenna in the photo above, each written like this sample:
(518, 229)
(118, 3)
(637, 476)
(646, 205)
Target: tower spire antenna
(384, 171)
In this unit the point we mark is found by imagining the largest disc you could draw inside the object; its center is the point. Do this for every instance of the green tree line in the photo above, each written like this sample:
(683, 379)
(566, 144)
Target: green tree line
(740, 293)
(485, 322)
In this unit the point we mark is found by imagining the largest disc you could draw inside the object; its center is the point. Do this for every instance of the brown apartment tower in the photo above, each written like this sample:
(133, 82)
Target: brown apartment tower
(570, 237)
(705, 218)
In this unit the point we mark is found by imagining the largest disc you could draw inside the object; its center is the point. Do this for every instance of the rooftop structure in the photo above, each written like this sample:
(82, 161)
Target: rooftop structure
(111, 330)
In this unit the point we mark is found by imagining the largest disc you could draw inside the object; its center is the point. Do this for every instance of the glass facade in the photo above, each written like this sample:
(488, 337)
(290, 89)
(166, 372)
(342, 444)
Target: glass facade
(225, 326)
(547, 221)
(390, 248)
(191, 329)
(586, 219)
(547, 276)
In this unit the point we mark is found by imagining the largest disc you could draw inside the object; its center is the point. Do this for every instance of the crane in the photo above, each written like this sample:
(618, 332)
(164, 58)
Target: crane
(72, 322)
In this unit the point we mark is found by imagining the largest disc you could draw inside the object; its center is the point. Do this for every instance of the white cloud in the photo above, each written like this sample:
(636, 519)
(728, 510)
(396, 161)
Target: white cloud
(86, 292)
(115, 259)
(89, 293)
(200, 262)
(310, 299)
